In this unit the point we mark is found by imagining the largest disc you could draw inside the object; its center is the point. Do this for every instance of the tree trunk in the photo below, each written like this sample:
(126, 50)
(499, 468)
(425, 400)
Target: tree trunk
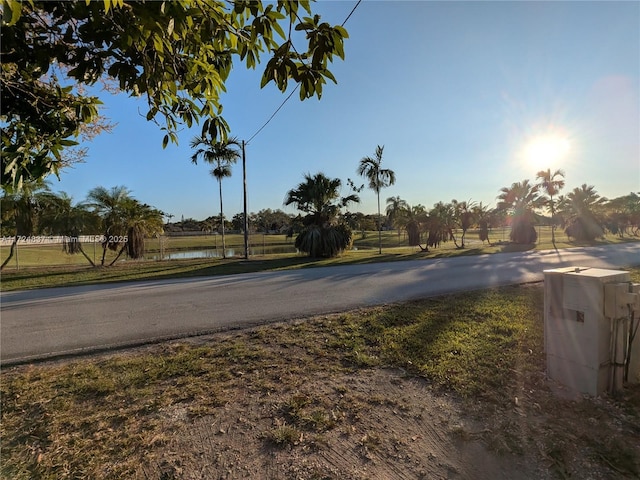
(553, 223)
(413, 232)
(455, 240)
(484, 231)
(135, 242)
(379, 227)
(104, 250)
(81, 250)
(224, 253)
(13, 246)
(124, 247)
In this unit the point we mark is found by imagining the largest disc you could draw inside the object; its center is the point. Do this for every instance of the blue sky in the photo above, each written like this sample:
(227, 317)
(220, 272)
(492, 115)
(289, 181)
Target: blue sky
(466, 97)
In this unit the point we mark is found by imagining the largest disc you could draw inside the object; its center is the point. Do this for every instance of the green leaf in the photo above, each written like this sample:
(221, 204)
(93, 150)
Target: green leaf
(151, 113)
(342, 31)
(306, 4)
(16, 10)
(157, 43)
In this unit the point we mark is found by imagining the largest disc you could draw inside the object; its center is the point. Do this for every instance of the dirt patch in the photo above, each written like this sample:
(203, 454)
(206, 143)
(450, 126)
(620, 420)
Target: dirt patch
(375, 424)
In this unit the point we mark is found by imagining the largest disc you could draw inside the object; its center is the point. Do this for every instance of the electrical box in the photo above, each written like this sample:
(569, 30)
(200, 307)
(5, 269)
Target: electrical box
(578, 337)
(634, 361)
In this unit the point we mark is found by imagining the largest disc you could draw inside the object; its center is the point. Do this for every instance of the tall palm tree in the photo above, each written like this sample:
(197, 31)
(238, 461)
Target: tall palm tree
(379, 178)
(222, 155)
(520, 200)
(319, 197)
(551, 184)
(395, 209)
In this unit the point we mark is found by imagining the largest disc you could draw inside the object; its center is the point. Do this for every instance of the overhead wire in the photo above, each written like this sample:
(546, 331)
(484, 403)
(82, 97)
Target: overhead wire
(297, 85)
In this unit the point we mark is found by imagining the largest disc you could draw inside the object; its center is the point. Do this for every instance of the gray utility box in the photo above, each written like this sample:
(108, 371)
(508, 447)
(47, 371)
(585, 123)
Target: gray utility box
(577, 334)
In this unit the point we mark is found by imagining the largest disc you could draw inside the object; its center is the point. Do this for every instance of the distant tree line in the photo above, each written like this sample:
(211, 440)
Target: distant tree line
(268, 221)
(582, 214)
(123, 222)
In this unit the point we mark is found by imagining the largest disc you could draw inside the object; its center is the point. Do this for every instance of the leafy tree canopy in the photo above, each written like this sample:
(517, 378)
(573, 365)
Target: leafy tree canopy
(177, 54)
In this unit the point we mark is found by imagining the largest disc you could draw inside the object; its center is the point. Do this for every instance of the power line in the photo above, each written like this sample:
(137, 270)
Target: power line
(274, 113)
(296, 87)
(351, 13)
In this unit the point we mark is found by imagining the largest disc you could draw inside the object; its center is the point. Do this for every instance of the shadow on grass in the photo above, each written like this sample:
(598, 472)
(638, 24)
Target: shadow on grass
(144, 270)
(517, 247)
(462, 252)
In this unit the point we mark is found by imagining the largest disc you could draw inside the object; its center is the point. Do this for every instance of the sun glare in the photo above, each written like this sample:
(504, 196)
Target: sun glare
(546, 151)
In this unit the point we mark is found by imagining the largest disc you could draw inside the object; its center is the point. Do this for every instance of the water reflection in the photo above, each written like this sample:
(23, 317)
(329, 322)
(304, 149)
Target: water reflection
(217, 253)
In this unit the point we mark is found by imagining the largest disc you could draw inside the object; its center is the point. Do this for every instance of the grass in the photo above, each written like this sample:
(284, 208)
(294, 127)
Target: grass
(101, 417)
(458, 341)
(77, 271)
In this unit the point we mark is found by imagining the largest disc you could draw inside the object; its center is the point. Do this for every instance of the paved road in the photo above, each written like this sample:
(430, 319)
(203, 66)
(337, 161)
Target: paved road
(60, 321)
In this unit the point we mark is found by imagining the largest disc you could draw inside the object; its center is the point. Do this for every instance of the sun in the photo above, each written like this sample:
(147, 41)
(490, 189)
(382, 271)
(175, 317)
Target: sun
(545, 151)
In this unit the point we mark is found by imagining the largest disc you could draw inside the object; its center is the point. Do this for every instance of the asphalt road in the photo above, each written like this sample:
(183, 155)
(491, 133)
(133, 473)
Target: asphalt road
(52, 322)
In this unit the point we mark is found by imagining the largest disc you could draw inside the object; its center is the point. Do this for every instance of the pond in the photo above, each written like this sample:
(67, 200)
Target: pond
(217, 252)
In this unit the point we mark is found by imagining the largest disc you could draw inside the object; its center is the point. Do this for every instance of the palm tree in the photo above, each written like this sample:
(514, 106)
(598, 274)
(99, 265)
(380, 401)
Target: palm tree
(222, 155)
(21, 209)
(485, 218)
(319, 197)
(582, 210)
(395, 209)
(110, 206)
(520, 200)
(414, 218)
(61, 216)
(142, 221)
(440, 223)
(623, 214)
(378, 178)
(551, 184)
(125, 221)
(464, 215)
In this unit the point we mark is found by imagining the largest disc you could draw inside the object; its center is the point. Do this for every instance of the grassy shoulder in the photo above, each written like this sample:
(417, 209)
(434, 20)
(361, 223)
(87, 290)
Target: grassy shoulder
(72, 419)
(75, 272)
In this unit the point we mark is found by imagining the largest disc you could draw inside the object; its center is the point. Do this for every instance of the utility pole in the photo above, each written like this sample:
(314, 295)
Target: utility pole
(246, 217)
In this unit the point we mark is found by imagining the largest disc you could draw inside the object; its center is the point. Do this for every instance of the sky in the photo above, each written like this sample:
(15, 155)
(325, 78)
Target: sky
(465, 97)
